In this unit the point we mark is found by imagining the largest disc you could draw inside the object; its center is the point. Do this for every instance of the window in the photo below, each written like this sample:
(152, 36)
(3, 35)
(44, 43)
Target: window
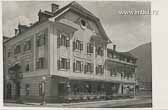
(121, 58)
(83, 23)
(9, 54)
(27, 89)
(78, 45)
(64, 63)
(99, 51)
(17, 49)
(99, 69)
(77, 66)
(27, 69)
(113, 72)
(41, 38)
(134, 61)
(27, 45)
(40, 63)
(89, 48)
(63, 40)
(89, 67)
(128, 60)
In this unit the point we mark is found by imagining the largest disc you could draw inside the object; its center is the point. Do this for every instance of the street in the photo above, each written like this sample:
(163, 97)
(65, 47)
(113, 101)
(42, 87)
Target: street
(122, 103)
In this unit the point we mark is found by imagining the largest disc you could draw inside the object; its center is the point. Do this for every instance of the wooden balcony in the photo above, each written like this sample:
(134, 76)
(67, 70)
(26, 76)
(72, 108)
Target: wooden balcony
(120, 61)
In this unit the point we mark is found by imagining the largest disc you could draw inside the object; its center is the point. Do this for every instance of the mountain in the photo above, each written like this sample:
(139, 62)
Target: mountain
(144, 63)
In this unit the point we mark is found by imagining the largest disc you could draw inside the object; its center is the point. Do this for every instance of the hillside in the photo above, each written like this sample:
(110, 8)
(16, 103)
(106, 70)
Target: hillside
(144, 69)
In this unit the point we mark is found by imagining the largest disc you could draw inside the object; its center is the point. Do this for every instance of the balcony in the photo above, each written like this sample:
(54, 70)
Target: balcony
(120, 61)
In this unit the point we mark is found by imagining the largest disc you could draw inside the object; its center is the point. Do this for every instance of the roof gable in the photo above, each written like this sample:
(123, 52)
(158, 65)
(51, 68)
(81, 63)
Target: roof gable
(81, 10)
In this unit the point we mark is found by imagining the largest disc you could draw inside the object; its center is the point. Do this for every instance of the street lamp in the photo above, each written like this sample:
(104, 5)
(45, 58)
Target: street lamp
(43, 85)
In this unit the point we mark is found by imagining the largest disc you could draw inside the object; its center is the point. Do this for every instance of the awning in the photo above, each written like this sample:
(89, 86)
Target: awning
(93, 78)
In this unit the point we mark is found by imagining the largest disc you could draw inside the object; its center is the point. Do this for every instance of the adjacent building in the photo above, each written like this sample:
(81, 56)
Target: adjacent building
(66, 48)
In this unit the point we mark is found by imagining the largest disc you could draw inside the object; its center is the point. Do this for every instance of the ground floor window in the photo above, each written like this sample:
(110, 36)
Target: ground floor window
(9, 91)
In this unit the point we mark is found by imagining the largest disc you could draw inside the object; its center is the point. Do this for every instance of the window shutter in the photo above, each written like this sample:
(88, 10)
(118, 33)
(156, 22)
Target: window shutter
(85, 68)
(73, 45)
(58, 64)
(87, 49)
(30, 44)
(64, 41)
(31, 67)
(61, 40)
(74, 66)
(58, 42)
(67, 43)
(37, 64)
(92, 67)
(46, 36)
(44, 39)
(68, 64)
(76, 44)
(91, 49)
(96, 70)
(81, 45)
(81, 66)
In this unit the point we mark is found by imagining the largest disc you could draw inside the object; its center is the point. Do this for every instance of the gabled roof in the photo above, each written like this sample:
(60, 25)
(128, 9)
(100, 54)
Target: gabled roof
(126, 54)
(80, 9)
(74, 5)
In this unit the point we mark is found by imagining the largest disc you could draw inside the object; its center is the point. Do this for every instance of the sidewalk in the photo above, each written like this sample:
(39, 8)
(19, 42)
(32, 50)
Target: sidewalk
(114, 103)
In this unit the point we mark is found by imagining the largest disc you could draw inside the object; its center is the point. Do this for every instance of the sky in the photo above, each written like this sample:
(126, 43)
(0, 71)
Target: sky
(126, 31)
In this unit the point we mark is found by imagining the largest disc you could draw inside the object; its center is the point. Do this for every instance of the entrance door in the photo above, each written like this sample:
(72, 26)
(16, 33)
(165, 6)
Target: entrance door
(9, 91)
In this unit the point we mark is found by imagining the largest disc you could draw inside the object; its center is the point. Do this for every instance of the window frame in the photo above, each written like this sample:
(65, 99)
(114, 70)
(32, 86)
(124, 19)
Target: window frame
(40, 63)
(27, 45)
(17, 49)
(63, 40)
(63, 64)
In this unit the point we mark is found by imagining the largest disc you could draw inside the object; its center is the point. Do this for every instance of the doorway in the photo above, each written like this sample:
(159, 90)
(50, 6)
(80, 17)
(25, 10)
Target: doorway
(9, 91)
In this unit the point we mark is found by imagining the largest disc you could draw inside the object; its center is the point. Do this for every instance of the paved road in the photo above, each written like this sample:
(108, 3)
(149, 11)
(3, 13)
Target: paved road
(124, 103)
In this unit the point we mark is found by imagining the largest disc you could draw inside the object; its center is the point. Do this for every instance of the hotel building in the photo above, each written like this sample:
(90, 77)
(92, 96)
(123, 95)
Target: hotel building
(68, 48)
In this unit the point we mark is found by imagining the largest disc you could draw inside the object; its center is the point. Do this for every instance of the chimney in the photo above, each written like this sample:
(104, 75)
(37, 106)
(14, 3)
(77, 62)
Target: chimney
(54, 7)
(16, 32)
(114, 47)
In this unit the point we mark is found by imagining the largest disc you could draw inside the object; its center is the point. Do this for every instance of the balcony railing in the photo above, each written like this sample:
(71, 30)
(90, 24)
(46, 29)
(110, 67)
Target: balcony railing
(120, 61)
